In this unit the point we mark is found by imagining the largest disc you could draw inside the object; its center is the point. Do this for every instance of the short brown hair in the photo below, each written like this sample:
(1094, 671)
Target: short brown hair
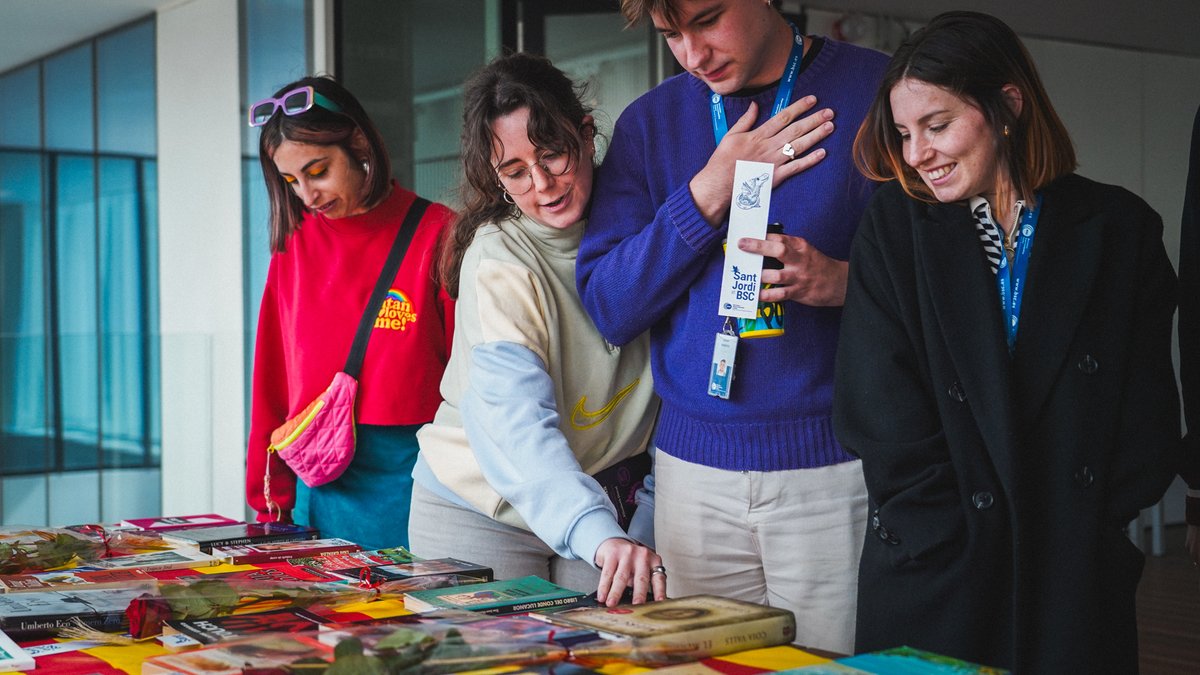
(973, 56)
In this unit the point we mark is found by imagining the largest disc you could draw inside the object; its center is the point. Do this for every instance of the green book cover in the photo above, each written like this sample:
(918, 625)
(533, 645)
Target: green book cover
(510, 596)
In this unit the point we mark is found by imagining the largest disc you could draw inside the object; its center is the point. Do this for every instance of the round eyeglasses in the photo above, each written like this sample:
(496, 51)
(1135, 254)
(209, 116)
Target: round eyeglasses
(517, 178)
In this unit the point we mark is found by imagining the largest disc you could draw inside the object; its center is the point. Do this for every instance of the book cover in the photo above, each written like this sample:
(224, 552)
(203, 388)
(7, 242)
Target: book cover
(205, 538)
(434, 647)
(41, 613)
(224, 628)
(333, 561)
(274, 651)
(509, 596)
(166, 523)
(276, 571)
(900, 661)
(154, 561)
(282, 550)
(421, 568)
(690, 627)
(12, 656)
(74, 578)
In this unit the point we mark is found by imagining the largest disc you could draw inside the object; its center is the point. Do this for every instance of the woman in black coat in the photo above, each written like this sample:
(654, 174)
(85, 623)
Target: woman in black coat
(1004, 370)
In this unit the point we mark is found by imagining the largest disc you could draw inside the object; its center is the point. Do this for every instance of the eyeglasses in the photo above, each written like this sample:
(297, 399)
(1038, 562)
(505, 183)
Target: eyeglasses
(291, 103)
(517, 179)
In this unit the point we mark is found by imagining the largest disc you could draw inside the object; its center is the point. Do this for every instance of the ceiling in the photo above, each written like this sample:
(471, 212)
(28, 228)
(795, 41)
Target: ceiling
(30, 29)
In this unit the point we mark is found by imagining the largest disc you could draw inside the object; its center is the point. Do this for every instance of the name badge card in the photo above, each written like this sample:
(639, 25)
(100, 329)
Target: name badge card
(747, 218)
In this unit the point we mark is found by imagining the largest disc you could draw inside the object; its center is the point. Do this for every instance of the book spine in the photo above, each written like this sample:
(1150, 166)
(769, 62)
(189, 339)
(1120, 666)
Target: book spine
(717, 640)
(536, 605)
(207, 546)
(29, 627)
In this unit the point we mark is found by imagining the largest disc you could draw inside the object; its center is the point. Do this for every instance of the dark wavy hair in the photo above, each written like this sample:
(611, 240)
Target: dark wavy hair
(973, 56)
(319, 126)
(556, 122)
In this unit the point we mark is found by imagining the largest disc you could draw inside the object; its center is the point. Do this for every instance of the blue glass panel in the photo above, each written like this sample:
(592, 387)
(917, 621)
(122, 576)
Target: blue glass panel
(76, 305)
(25, 419)
(276, 53)
(20, 109)
(125, 91)
(68, 90)
(149, 173)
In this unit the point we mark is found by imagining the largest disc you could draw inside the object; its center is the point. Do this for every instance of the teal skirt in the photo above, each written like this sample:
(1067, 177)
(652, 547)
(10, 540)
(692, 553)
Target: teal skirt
(369, 503)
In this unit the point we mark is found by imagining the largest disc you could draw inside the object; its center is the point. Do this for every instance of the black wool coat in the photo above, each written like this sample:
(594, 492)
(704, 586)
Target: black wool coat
(1000, 485)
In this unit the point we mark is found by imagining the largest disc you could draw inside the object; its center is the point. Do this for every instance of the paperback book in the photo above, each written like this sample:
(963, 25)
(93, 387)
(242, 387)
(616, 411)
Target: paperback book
(154, 561)
(277, 571)
(167, 523)
(42, 613)
(334, 561)
(422, 568)
(899, 661)
(75, 579)
(282, 550)
(223, 628)
(509, 596)
(687, 628)
(205, 538)
(271, 653)
(12, 656)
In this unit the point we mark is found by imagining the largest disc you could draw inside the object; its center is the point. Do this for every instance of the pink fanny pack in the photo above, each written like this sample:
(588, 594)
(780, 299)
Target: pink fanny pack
(317, 443)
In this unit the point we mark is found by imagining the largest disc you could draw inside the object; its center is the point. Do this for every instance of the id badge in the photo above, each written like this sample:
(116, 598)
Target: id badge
(721, 373)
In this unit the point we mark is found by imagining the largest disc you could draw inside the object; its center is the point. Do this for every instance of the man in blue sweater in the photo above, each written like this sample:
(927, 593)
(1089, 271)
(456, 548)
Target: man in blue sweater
(754, 499)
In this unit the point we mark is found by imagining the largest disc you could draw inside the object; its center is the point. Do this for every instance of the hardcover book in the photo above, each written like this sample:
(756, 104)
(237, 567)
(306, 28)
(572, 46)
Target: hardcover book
(272, 653)
(71, 579)
(166, 523)
(282, 550)
(223, 628)
(205, 538)
(154, 561)
(422, 568)
(12, 656)
(42, 613)
(333, 561)
(686, 628)
(510, 596)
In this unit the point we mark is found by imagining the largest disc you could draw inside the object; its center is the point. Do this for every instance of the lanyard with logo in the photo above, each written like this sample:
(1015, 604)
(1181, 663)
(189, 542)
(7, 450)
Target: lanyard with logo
(1010, 278)
(782, 98)
(725, 348)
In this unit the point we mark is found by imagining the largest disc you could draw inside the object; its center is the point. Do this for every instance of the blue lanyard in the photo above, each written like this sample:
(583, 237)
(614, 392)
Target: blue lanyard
(1011, 281)
(782, 98)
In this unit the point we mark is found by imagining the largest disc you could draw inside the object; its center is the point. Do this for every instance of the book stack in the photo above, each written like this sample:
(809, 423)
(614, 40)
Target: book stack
(241, 534)
(77, 579)
(36, 614)
(282, 550)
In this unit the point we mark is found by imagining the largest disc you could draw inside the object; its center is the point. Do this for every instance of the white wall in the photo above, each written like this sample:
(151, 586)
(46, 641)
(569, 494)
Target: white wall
(200, 256)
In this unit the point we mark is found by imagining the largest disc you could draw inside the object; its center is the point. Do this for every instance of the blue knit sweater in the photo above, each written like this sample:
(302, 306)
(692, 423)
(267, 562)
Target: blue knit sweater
(649, 261)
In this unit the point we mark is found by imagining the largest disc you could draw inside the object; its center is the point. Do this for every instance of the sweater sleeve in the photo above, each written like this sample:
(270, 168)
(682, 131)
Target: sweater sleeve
(639, 255)
(268, 409)
(1189, 325)
(511, 422)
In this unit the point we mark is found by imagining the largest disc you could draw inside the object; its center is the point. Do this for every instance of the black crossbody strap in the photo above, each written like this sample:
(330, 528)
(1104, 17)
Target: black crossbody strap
(403, 237)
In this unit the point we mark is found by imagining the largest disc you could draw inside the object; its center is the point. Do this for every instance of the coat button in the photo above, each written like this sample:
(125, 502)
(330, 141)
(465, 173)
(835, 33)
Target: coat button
(957, 393)
(983, 500)
(875, 522)
(1084, 477)
(1088, 365)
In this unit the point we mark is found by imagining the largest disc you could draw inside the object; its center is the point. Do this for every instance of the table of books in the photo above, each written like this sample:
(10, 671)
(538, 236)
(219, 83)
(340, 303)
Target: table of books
(204, 594)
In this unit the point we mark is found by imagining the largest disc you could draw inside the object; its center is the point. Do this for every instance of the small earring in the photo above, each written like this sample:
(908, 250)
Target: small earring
(1006, 131)
(366, 167)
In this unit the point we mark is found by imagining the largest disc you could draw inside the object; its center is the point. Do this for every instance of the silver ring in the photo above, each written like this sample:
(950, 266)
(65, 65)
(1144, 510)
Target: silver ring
(788, 150)
(658, 569)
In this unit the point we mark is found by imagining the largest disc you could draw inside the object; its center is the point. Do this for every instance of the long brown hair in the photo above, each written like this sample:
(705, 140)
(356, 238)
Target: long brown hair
(319, 126)
(973, 56)
(558, 120)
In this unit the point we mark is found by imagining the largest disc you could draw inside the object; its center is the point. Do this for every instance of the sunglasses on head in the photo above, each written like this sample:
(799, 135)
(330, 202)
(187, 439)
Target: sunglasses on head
(292, 102)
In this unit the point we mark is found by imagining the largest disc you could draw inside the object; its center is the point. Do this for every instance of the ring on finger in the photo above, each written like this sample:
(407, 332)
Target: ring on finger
(658, 569)
(788, 150)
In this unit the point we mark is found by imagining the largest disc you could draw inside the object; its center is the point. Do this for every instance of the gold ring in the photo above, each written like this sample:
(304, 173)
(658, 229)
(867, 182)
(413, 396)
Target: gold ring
(788, 150)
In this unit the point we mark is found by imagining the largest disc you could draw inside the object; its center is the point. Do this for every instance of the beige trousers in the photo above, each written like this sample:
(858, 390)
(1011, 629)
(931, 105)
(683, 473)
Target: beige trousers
(782, 538)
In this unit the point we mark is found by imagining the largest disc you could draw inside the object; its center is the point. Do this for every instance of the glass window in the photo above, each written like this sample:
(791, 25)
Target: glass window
(68, 91)
(20, 109)
(125, 105)
(25, 426)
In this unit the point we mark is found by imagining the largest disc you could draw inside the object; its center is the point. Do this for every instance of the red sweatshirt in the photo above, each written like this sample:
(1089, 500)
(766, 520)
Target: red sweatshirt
(311, 306)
